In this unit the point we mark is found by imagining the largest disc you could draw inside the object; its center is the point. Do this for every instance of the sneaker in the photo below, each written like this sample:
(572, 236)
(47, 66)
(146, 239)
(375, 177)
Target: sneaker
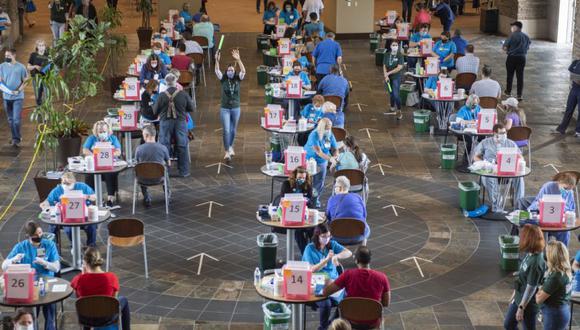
(231, 151)
(556, 131)
(506, 93)
(147, 202)
(399, 115)
(577, 134)
(393, 109)
(109, 204)
(227, 156)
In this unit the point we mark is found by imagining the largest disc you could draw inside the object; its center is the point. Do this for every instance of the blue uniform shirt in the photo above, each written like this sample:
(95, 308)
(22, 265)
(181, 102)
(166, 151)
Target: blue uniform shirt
(304, 61)
(333, 84)
(325, 144)
(460, 43)
(303, 76)
(91, 140)
(431, 82)
(269, 14)
(416, 37)
(311, 113)
(289, 17)
(165, 58)
(551, 188)
(315, 256)
(443, 50)
(311, 28)
(326, 54)
(465, 113)
(30, 253)
(186, 16)
(337, 118)
(54, 196)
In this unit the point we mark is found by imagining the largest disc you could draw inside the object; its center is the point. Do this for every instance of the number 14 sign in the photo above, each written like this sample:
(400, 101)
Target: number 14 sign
(297, 278)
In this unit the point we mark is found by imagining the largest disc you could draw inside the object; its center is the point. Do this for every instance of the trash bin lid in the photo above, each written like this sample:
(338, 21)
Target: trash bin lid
(468, 185)
(267, 240)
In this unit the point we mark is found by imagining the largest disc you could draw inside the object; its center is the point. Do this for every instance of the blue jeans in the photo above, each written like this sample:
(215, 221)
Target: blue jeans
(13, 110)
(49, 312)
(571, 104)
(529, 322)
(90, 230)
(177, 129)
(556, 317)
(395, 96)
(230, 119)
(318, 181)
(324, 310)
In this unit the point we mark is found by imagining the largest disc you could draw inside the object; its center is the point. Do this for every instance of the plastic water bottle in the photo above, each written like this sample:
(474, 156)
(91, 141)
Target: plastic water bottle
(41, 287)
(417, 68)
(257, 276)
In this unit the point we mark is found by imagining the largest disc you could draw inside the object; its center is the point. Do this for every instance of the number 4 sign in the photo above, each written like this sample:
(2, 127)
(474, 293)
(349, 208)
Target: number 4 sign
(507, 161)
(552, 211)
(103, 152)
(297, 279)
(18, 280)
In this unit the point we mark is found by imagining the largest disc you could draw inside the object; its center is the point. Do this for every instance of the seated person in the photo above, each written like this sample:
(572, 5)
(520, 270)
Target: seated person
(179, 24)
(181, 61)
(297, 72)
(344, 204)
(300, 182)
(69, 183)
(148, 97)
(352, 158)
(165, 37)
(415, 41)
(515, 117)
(152, 69)
(335, 84)
(563, 184)
(324, 255)
(269, 18)
(431, 82)
(486, 87)
(329, 111)
(313, 111)
(205, 29)
(93, 281)
(469, 62)
(151, 151)
(363, 282)
(446, 50)
(471, 108)
(290, 15)
(42, 255)
(314, 26)
(23, 320)
(103, 133)
(186, 14)
(487, 150)
(156, 47)
(302, 57)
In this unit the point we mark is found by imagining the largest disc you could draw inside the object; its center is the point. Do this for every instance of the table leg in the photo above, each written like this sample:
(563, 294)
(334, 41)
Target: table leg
(302, 316)
(77, 250)
(98, 190)
(290, 109)
(289, 245)
(503, 190)
(128, 148)
(444, 109)
(272, 191)
(571, 315)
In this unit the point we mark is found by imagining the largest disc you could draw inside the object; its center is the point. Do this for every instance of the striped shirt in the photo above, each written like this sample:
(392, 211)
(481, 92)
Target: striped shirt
(467, 63)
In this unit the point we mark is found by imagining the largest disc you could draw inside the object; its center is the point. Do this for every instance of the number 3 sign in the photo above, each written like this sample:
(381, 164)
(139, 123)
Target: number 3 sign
(552, 211)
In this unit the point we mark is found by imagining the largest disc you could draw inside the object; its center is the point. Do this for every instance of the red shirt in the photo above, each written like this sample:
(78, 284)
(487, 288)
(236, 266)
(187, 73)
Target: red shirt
(364, 283)
(181, 62)
(95, 284)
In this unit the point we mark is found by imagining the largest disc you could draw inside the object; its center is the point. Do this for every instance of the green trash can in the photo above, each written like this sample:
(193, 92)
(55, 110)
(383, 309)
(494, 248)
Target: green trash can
(267, 245)
(509, 249)
(269, 57)
(262, 72)
(421, 120)
(379, 55)
(276, 316)
(468, 195)
(448, 155)
(374, 41)
(406, 89)
(263, 41)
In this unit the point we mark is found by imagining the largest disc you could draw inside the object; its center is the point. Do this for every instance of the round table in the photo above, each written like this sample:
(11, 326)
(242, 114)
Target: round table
(298, 319)
(420, 57)
(444, 108)
(76, 264)
(269, 59)
(98, 179)
(48, 299)
(504, 183)
(473, 135)
(547, 230)
(127, 134)
(292, 134)
(306, 95)
(275, 175)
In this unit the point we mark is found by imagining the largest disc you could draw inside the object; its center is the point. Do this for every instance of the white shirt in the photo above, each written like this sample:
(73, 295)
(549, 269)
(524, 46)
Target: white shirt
(312, 6)
(467, 63)
(192, 47)
(486, 87)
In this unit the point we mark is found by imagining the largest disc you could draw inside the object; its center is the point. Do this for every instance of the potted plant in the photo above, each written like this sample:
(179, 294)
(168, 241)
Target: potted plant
(115, 46)
(145, 31)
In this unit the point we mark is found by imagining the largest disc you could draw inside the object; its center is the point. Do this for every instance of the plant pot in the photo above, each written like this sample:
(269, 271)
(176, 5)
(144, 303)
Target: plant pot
(44, 185)
(144, 35)
(67, 147)
(114, 83)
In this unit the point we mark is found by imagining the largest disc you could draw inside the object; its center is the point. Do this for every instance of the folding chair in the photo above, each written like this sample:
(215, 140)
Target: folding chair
(126, 233)
(336, 100)
(521, 134)
(204, 43)
(357, 180)
(361, 309)
(198, 61)
(151, 174)
(465, 80)
(345, 228)
(97, 311)
(487, 102)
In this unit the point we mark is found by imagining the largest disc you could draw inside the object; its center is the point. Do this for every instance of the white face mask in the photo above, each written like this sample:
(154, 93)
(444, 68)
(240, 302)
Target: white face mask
(157, 52)
(68, 187)
(394, 49)
(153, 65)
(324, 240)
(25, 327)
(41, 49)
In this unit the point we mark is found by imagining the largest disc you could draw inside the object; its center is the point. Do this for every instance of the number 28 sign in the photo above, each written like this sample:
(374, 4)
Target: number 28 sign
(103, 153)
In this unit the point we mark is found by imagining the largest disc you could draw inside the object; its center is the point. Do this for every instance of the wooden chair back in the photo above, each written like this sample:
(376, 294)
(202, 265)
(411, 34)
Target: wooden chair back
(336, 100)
(197, 58)
(519, 133)
(457, 56)
(126, 232)
(347, 227)
(487, 102)
(149, 171)
(465, 80)
(339, 133)
(575, 174)
(202, 41)
(185, 77)
(356, 177)
(360, 309)
(97, 311)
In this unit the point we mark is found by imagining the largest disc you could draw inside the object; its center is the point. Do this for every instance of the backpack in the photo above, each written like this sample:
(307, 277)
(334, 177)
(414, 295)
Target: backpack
(171, 106)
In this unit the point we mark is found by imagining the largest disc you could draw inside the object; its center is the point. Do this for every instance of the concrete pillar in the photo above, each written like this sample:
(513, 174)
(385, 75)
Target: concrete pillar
(576, 45)
(12, 9)
(532, 13)
(349, 18)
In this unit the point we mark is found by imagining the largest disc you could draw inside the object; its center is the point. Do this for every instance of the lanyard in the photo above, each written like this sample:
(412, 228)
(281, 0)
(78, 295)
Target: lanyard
(232, 87)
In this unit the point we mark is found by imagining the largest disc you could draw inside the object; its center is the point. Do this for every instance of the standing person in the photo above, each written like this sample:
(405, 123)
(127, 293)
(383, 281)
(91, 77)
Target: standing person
(88, 10)
(522, 306)
(393, 63)
(58, 15)
(322, 147)
(334, 84)
(13, 75)
(258, 5)
(290, 15)
(151, 151)
(312, 6)
(314, 27)
(5, 23)
(445, 14)
(29, 8)
(148, 98)
(42, 255)
(93, 281)
(269, 17)
(516, 47)
(36, 63)
(407, 10)
(230, 100)
(112, 3)
(573, 101)
(554, 295)
(459, 41)
(326, 54)
(172, 107)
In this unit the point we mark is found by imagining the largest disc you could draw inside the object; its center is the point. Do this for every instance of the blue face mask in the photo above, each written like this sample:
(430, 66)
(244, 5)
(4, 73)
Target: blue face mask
(103, 136)
(327, 134)
(231, 74)
(300, 181)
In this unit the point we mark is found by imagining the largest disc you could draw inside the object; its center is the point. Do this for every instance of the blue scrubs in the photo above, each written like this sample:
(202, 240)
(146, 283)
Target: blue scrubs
(303, 76)
(91, 140)
(465, 113)
(290, 18)
(460, 43)
(311, 113)
(552, 188)
(431, 82)
(443, 50)
(326, 54)
(416, 37)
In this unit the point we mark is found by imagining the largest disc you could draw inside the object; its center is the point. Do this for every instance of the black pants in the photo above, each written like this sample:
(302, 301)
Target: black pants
(258, 5)
(296, 3)
(111, 181)
(571, 104)
(515, 64)
(112, 3)
(407, 10)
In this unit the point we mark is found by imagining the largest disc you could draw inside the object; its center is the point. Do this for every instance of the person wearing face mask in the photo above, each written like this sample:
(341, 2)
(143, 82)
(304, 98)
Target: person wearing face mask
(314, 26)
(562, 184)
(153, 69)
(313, 111)
(103, 133)
(469, 112)
(416, 37)
(335, 84)
(300, 182)
(13, 75)
(393, 63)
(516, 47)
(445, 14)
(324, 255)
(269, 17)
(487, 150)
(165, 37)
(58, 16)
(431, 82)
(290, 15)
(298, 72)
(23, 320)
(322, 147)
(42, 255)
(352, 158)
(230, 100)
(88, 10)
(157, 50)
(329, 111)
(36, 63)
(446, 50)
(148, 98)
(344, 204)
(68, 184)
(423, 17)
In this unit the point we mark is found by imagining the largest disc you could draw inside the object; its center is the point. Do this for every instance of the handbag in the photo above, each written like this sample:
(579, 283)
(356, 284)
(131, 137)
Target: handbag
(30, 6)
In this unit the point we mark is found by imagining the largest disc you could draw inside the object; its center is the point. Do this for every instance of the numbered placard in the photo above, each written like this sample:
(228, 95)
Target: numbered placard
(294, 156)
(73, 205)
(287, 62)
(103, 152)
(132, 87)
(280, 30)
(297, 280)
(403, 31)
(426, 46)
(293, 209)
(391, 17)
(284, 46)
(273, 116)
(552, 209)
(486, 119)
(432, 66)
(19, 284)
(507, 161)
(128, 117)
(294, 87)
(445, 88)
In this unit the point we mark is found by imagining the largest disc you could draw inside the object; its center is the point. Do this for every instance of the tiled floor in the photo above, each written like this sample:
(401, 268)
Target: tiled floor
(462, 287)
